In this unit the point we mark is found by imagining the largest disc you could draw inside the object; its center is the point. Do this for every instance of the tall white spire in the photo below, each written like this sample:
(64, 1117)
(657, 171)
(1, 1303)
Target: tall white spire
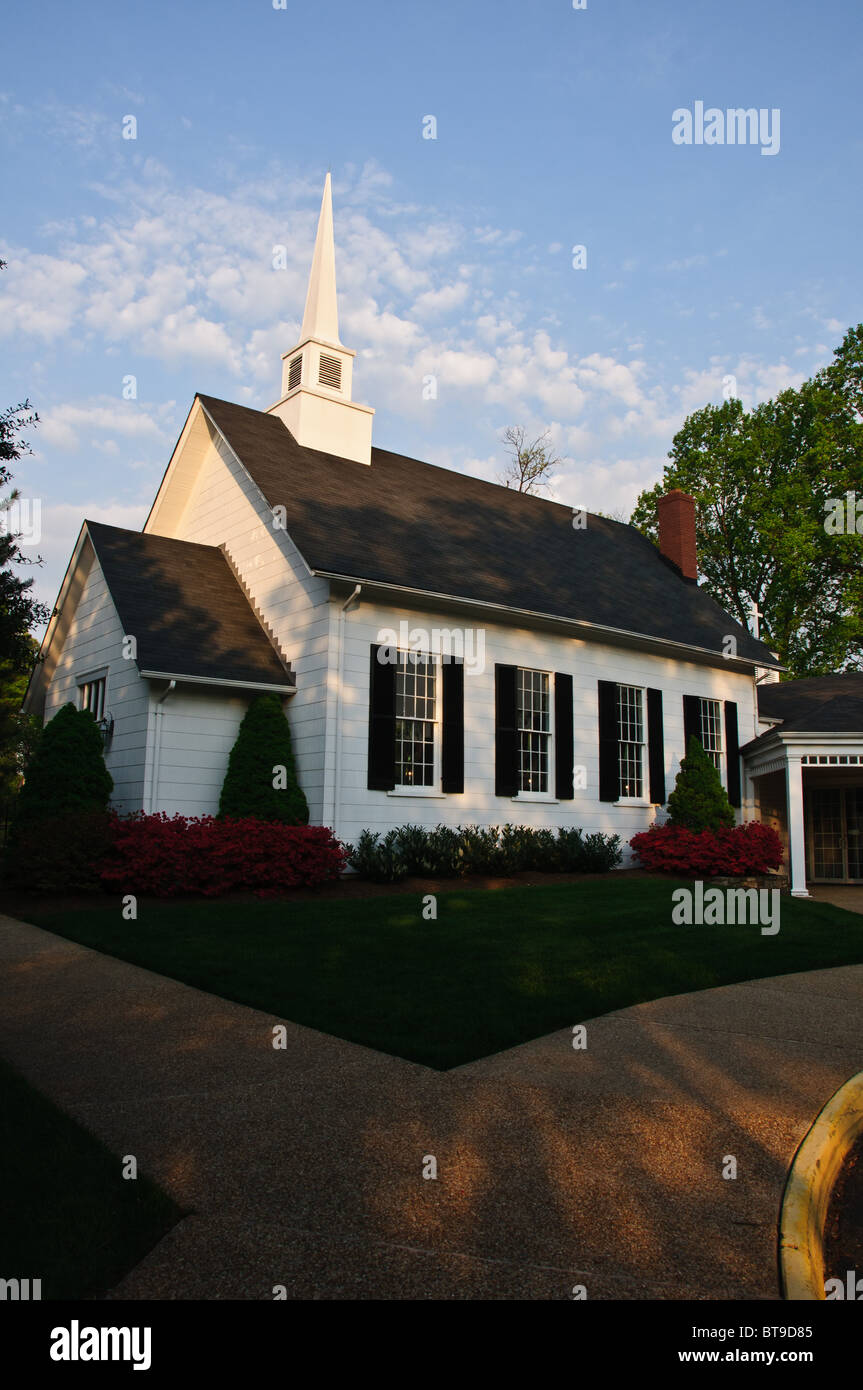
(317, 374)
(321, 317)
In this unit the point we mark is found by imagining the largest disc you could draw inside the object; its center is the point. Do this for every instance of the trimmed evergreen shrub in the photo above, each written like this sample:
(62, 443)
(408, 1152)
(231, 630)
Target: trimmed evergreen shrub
(59, 832)
(413, 847)
(597, 854)
(446, 852)
(482, 854)
(261, 780)
(515, 843)
(699, 800)
(379, 860)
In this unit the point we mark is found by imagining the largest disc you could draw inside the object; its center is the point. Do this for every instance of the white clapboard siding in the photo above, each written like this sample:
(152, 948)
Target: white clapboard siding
(94, 648)
(586, 662)
(224, 507)
(192, 733)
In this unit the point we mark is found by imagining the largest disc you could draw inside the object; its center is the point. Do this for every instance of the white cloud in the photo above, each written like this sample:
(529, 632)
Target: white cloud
(440, 301)
(71, 426)
(61, 523)
(184, 275)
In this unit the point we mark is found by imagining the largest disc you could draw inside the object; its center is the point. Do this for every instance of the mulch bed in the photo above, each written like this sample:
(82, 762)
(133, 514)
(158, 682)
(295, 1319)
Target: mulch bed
(18, 904)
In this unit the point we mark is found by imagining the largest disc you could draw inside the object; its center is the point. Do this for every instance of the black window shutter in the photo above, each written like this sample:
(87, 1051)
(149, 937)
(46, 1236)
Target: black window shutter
(732, 752)
(691, 720)
(382, 721)
(452, 751)
(609, 761)
(505, 732)
(564, 747)
(655, 747)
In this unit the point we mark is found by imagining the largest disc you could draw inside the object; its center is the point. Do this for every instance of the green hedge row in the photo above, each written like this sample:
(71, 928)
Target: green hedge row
(447, 852)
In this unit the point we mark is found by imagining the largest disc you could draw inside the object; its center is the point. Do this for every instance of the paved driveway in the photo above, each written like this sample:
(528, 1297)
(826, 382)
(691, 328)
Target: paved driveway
(847, 895)
(556, 1167)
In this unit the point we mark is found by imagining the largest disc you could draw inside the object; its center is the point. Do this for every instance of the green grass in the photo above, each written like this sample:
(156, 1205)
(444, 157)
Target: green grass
(67, 1216)
(496, 968)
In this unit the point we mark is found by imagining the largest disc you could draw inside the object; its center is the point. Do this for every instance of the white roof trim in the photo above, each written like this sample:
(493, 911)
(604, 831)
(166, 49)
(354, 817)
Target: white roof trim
(217, 681)
(37, 674)
(578, 623)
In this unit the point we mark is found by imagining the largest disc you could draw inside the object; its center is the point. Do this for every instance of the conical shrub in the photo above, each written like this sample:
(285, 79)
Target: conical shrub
(699, 800)
(60, 823)
(261, 780)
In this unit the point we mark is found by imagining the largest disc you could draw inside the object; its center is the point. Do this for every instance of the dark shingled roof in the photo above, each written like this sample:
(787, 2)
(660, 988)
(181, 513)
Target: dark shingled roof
(185, 608)
(819, 704)
(410, 524)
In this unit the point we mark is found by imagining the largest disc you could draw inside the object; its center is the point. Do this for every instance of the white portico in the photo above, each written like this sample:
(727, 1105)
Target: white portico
(805, 774)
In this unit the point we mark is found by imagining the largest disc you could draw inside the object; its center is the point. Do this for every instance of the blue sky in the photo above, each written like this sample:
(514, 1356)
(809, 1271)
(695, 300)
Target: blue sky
(153, 257)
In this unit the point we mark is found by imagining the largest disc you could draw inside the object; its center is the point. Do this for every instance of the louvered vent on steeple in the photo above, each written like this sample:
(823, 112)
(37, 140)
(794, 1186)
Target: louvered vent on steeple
(295, 372)
(330, 372)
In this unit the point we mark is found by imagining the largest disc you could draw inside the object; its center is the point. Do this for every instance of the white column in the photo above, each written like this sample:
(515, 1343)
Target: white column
(750, 807)
(796, 833)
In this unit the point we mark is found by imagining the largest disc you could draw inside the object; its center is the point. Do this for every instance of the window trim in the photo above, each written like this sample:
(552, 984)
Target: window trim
(412, 788)
(87, 680)
(425, 793)
(550, 794)
(643, 797)
(716, 755)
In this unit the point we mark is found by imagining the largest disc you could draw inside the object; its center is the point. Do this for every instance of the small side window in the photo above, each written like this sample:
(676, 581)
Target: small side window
(91, 696)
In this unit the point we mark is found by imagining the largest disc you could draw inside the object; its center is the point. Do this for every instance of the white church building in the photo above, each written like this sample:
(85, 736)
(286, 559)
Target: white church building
(447, 650)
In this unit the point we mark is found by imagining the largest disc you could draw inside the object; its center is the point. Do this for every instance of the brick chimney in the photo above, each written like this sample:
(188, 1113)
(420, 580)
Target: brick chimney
(676, 514)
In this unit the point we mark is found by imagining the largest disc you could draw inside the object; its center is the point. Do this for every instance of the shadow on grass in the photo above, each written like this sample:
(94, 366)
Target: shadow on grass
(70, 1218)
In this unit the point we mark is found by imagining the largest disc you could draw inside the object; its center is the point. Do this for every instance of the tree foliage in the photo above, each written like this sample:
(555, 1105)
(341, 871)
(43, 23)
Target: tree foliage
(699, 800)
(19, 611)
(19, 732)
(763, 481)
(261, 780)
(59, 831)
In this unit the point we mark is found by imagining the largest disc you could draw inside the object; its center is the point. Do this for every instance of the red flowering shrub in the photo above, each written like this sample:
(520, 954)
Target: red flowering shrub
(171, 855)
(735, 851)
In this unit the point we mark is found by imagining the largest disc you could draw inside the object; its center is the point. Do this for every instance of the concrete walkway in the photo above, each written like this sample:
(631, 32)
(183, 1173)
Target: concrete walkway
(556, 1167)
(847, 895)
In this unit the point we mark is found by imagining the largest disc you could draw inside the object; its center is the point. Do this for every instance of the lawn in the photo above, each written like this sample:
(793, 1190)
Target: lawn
(67, 1216)
(496, 968)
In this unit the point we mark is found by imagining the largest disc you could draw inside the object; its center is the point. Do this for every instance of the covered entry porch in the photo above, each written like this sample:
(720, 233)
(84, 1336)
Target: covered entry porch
(810, 789)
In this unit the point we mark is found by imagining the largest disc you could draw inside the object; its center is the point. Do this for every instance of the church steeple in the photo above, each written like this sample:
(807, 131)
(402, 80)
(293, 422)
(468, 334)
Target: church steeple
(321, 318)
(316, 400)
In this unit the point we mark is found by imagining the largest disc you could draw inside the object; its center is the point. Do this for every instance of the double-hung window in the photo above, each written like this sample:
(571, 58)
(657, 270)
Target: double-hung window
(91, 696)
(711, 731)
(533, 706)
(416, 722)
(630, 736)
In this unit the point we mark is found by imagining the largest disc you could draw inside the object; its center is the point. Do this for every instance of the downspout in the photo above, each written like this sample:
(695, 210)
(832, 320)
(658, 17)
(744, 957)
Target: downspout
(157, 744)
(337, 794)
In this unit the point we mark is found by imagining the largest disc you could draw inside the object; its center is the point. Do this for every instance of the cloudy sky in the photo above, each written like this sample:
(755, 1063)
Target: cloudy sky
(153, 258)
